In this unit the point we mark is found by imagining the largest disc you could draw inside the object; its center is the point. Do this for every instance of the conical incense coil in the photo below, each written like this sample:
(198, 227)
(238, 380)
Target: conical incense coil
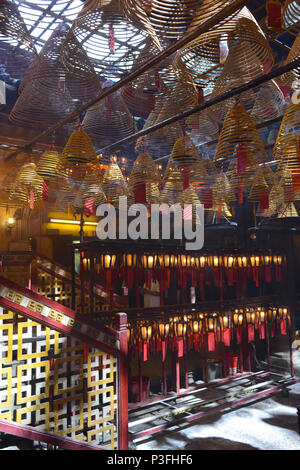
(79, 150)
(291, 13)
(109, 121)
(49, 165)
(269, 103)
(20, 49)
(170, 19)
(28, 176)
(172, 188)
(28, 186)
(144, 174)
(262, 182)
(189, 197)
(114, 184)
(222, 191)
(239, 141)
(287, 210)
(66, 64)
(184, 152)
(202, 125)
(287, 146)
(238, 36)
(289, 78)
(105, 33)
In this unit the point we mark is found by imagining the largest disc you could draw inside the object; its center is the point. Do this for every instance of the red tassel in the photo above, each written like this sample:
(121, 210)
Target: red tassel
(179, 347)
(164, 350)
(251, 333)
(240, 193)
(226, 336)
(273, 326)
(239, 335)
(140, 194)
(241, 153)
(268, 274)
(262, 331)
(282, 327)
(288, 194)
(145, 351)
(90, 206)
(200, 95)
(151, 102)
(207, 197)
(31, 199)
(45, 191)
(111, 38)
(211, 341)
(274, 14)
(196, 341)
(264, 200)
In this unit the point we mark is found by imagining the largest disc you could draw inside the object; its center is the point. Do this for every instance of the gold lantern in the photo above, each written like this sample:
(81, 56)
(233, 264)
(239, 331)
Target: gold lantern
(271, 315)
(211, 322)
(146, 332)
(164, 329)
(129, 260)
(225, 320)
(149, 261)
(108, 261)
(250, 316)
(229, 261)
(180, 328)
(238, 317)
(254, 261)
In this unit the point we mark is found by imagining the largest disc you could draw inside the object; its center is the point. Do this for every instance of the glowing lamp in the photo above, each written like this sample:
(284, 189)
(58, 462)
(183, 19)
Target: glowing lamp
(130, 260)
(108, 261)
(146, 332)
(164, 330)
(149, 261)
(180, 329)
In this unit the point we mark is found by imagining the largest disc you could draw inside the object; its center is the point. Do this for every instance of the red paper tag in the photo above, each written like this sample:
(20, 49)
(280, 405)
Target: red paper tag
(179, 344)
(211, 341)
(45, 191)
(262, 330)
(264, 200)
(207, 198)
(145, 350)
(90, 206)
(226, 337)
(251, 333)
(274, 14)
(239, 335)
(282, 327)
(140, 194)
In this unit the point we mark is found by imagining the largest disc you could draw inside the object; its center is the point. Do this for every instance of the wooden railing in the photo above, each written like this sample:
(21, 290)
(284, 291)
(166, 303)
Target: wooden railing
(63, 381)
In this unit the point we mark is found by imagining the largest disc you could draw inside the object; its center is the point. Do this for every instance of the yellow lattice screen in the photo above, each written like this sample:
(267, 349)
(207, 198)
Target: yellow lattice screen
(56, 383)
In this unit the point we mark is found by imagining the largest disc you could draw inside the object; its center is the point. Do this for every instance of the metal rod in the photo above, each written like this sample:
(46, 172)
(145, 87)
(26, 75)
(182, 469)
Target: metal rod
(218, 99)
(203, 28)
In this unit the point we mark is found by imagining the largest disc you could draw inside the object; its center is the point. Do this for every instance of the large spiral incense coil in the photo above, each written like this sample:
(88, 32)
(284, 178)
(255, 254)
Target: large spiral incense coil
(202, 126)
(49, 165)
(144, 172)
(239, 141)
(262, 183)
(90, 189)
(287, 210)
(291, 13)
(109, 121)
(114, 184)
(184, 152)
(105, 33)
(170, 19)
(19, 48)
(290, 78)
(28, 186)
(269, 102)
(173, 186)
(239, 37)
(287, 146)
(77, 154)
(189, 197)
(66, 64)
(222, 191)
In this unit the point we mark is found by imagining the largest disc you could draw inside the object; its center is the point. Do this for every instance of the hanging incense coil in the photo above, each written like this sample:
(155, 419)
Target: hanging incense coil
(239, 142)
(144, 173)
(202, 126)
(78, 150)
(28, 186)
(184, 152)
(239, 37)
(269, 103)
(90, 191)
(190, 198)
(170, 19)
(49, 165)
(173, 186)
(109, 121)
(105, 32)
(289, 78)
(19, 48)
(261, 185)
(222, 191)
(114, 184)
(287, 210)
(287, 148)
(291, 13)
(66, 64)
